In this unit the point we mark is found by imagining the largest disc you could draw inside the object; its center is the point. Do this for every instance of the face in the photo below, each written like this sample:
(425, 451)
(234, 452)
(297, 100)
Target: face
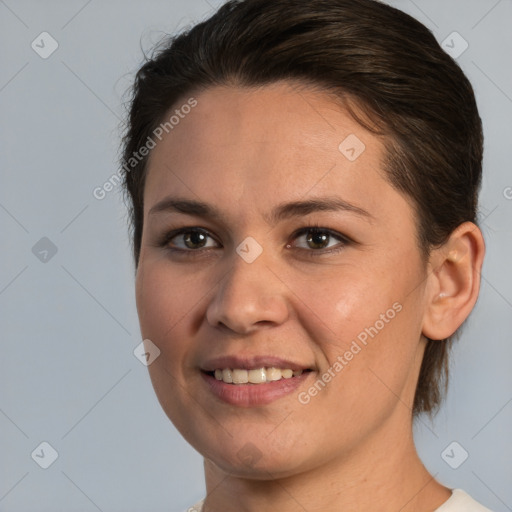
(272, 239)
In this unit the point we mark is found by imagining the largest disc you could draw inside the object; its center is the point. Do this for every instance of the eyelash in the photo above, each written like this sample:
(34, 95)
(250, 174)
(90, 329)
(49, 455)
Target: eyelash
(344, 240)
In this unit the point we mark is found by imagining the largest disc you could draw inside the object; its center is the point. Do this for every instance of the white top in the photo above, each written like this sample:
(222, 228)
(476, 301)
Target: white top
(459, 501)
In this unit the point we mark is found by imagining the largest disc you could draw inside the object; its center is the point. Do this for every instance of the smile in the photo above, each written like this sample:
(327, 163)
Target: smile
(246, 388)
(254, 376)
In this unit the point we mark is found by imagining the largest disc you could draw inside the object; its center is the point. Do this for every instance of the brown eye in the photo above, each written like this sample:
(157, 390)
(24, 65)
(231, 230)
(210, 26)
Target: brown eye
(190, 239)
(194, 239)
(319, 241)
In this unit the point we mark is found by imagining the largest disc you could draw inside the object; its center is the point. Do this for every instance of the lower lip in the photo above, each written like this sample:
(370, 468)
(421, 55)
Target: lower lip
(252, 395)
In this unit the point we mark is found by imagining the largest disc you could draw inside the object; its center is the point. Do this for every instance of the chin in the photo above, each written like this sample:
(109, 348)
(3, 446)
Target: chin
(261, 467)
(256, 459)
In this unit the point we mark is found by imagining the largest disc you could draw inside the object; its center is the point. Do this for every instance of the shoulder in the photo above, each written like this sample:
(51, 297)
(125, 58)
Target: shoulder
(460, 501)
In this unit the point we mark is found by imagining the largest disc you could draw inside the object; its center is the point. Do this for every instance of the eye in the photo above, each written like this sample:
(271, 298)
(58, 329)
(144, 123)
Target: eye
(194, 239)
(188, 239)
(319, 239)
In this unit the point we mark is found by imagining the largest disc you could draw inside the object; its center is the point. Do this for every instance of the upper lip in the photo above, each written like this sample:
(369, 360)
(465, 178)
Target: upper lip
(251, 362)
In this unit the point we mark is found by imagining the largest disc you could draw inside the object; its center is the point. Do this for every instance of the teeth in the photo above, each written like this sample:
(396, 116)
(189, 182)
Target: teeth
(240, 376)
(254, 376)
(257, 376)
(273, 374)
(226, 376)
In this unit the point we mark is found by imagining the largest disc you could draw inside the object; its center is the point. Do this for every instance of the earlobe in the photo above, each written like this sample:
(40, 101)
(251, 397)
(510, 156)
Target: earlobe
(454, 281)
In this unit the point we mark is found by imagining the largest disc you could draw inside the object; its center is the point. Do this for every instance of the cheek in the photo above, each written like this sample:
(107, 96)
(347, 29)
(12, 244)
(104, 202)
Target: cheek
(372, 322)
(164, 312)
(163, 308)
(345, 302)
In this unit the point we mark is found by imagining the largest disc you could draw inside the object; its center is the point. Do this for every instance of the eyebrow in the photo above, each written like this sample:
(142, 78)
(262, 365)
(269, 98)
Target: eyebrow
(279, 213)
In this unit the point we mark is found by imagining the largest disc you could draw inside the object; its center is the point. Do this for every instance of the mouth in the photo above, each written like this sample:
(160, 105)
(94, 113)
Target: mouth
(257, 376)
(253, 381)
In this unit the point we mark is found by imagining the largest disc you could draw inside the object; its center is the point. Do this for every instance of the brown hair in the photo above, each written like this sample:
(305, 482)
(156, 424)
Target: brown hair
(366, 53)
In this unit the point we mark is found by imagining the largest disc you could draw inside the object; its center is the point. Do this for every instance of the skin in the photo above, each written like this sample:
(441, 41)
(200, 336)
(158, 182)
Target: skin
(244, 151)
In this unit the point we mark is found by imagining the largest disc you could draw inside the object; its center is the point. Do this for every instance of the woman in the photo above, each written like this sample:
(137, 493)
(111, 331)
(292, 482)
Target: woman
(302, 180)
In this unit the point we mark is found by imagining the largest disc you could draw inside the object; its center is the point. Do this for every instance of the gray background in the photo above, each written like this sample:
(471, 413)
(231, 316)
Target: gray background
(68, 374)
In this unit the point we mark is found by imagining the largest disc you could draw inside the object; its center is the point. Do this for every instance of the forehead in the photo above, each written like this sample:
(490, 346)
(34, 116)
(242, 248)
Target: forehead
(243, 146)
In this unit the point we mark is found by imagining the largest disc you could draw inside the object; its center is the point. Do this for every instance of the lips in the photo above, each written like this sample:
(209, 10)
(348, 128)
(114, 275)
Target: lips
(253, 381)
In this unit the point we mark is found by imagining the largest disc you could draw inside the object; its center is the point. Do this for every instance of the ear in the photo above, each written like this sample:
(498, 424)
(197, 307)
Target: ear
(453, 282)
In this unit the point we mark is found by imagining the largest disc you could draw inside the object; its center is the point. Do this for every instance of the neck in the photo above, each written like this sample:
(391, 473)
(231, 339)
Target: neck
(384, 473)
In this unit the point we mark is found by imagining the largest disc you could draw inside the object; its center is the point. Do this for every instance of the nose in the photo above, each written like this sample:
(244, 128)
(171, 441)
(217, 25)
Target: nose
(250, 296)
